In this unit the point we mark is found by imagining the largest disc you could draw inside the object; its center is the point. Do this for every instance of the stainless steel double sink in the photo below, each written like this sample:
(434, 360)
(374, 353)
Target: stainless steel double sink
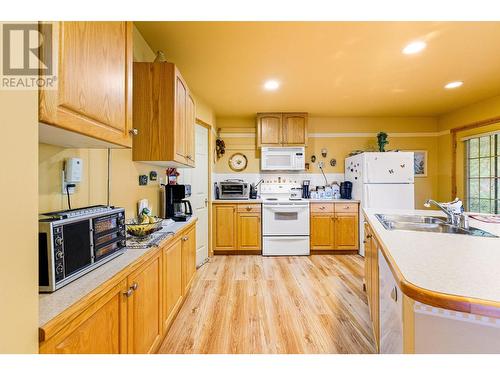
(426, 224)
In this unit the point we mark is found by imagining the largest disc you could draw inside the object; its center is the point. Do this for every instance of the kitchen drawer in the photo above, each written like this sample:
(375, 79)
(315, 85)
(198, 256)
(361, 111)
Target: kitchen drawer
(248, 207)
(346, 207)
(322, 207)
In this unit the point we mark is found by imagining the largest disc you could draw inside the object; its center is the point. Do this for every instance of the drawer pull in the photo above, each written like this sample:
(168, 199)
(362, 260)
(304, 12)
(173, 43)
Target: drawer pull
(346, 207)
(322, 207)
(249, 208)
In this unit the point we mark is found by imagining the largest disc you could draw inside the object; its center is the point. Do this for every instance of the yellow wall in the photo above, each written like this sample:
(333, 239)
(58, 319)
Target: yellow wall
(19, 222)
(124, 186)
(339, 147)
(483, 110)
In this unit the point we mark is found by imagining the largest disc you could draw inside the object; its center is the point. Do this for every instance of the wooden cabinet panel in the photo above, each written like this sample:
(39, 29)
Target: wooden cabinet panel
(180, 119)
(224, 226)
(372, 280)
(145, 326)
(164, 115)
(322, 232)
(172, 282)
(188, 259)
(94, 81)
(322, 208)
(346, 231)
(294, 128)
(269, 130)
(249, 231)
(190, 122)
(100, 329)
(346, 207)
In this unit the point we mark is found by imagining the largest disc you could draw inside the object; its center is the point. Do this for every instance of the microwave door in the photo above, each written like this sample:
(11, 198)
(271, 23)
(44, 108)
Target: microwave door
(77, 242)
(277, 161)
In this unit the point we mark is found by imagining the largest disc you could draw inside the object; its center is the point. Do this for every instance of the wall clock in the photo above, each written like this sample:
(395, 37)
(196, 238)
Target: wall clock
(238, 162)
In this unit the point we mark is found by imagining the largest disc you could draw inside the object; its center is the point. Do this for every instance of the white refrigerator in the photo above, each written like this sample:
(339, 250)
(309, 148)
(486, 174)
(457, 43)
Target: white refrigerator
(381, 180)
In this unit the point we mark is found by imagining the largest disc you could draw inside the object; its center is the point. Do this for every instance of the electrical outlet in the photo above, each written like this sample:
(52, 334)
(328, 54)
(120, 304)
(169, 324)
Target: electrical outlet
(321, 164)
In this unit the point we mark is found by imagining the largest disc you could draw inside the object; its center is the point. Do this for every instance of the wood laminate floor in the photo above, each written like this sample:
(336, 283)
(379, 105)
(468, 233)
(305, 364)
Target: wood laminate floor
(255, 304)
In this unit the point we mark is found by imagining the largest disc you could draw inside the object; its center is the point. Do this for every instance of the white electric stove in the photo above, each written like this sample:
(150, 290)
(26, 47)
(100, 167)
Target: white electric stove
(285, 221)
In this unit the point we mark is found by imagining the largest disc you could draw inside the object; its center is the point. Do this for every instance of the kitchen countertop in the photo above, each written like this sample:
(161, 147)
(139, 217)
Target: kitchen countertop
(52, 304)
(261, 200)
(458, 271)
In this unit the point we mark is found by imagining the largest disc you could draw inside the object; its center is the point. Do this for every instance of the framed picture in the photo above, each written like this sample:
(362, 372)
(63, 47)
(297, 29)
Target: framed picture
(420, 163)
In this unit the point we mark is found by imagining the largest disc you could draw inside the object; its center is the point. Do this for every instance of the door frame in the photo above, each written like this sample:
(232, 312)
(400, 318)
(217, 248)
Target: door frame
(209, 191)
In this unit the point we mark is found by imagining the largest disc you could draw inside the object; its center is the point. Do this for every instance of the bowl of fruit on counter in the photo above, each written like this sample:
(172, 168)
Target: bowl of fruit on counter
(144, 225)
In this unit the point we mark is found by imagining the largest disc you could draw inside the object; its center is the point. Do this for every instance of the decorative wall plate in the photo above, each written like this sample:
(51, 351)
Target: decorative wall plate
(238, 162)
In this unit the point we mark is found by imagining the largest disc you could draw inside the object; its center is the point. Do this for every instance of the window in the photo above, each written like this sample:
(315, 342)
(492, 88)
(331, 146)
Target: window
(482, 178)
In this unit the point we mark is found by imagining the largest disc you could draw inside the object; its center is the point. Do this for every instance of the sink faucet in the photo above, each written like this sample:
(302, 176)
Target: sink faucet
(453, 211)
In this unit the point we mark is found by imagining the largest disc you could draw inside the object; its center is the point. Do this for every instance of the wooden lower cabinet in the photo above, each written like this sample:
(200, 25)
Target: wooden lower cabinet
(145, 326)
(100, 329)
(172, 282)
(372, 280)
(188, 258)
(237, 227)
(249, 231)
(322, 232)
(134, 315)
(224, 227)
(334, 226)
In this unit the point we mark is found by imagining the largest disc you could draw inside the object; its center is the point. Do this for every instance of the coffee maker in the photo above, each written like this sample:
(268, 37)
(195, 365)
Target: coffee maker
(306, 194)
(173, 203)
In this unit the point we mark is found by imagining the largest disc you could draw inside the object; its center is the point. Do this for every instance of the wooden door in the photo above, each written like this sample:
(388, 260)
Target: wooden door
(180, 118)
(94, 81)
(190, 123)
(249, 231)
(346, 231)
(172, 282)
(322, 232)
(294, 128)
(145, 326)
(188, 259)
(99, 329)
(269, 129)
(224, 227)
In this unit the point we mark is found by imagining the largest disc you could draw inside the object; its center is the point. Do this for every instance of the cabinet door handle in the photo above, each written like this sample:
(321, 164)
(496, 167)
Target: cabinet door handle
(369, 236)
(134, 131)
(129, 292)
(189, 157)
(185, 238)
(394, 294)
(134, 286)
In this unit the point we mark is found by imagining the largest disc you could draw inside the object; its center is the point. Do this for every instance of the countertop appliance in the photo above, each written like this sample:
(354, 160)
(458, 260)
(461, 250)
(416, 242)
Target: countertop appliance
(306, 193)
(381, 180)
(285, 222)
(282, 159)
(173, 202)
(72, 243)
(234, 189)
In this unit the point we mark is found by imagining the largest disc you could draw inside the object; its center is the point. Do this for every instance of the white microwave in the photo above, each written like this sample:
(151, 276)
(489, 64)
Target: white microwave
(282, 159)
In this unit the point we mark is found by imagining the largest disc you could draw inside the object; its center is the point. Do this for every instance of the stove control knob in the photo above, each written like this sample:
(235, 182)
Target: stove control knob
(59, 268)
(59, 255)
(59, 241)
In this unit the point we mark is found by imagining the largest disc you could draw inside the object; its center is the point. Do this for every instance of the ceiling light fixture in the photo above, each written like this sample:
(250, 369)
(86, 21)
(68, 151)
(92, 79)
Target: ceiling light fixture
(271, 85)
(414, 47)
(453, 85)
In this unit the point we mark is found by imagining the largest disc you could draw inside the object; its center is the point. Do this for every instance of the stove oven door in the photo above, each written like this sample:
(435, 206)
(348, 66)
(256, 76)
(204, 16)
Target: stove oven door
(285, 219)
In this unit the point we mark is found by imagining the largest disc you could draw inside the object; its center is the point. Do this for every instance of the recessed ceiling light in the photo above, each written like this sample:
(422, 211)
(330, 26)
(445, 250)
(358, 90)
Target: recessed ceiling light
(453, 85)
(414, 47)
(271, 85)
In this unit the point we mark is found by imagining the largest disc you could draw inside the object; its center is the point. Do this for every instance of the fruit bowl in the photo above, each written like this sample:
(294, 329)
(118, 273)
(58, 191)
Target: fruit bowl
(139, 228)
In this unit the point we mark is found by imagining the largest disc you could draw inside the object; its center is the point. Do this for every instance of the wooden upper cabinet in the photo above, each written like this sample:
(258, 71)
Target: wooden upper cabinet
(269, 129)
(93, 96)
(145, 326)
(190, 123)
(164, 116)
(281, 129)
(294, 128)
